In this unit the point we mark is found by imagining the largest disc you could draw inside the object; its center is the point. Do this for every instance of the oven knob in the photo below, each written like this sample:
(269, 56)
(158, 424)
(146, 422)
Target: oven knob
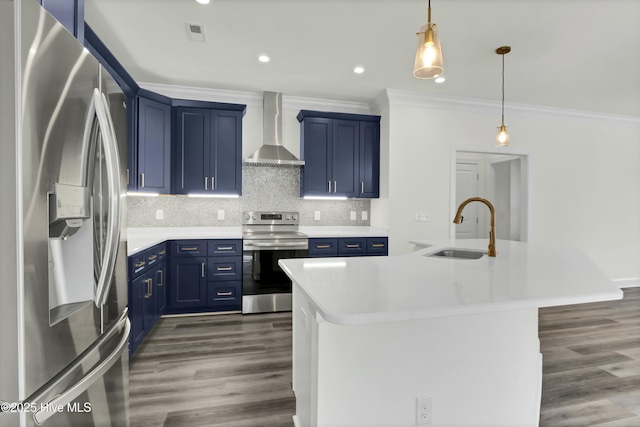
(247, 217)
(287, 217)
(295, 217)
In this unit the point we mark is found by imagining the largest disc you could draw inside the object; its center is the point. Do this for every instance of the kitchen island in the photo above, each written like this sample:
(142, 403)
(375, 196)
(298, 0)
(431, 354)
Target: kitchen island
(373, 335)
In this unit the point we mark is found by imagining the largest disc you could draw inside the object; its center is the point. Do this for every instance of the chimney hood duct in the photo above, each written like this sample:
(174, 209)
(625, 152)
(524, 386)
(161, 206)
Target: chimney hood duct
(272, 153)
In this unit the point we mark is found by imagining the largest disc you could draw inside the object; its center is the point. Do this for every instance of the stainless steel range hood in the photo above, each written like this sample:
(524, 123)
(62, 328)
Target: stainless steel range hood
(272, 153)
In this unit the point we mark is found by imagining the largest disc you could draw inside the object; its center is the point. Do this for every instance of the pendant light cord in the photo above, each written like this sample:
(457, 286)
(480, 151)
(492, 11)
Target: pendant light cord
(503, 89)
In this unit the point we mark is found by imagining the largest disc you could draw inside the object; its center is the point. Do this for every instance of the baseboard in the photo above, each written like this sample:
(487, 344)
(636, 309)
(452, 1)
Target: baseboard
(630, 282)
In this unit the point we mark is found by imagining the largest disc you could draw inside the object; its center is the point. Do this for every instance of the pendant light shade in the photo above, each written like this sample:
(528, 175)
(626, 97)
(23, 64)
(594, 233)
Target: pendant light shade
(502, 140)
(428, 63)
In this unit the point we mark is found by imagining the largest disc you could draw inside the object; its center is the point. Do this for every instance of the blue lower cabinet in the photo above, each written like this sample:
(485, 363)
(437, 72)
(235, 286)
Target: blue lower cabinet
(352, 246)
(323, 247)
(225, 295)
(224, 268)
(188, 287)
(377, 246)
(147, 297)
(348, 246)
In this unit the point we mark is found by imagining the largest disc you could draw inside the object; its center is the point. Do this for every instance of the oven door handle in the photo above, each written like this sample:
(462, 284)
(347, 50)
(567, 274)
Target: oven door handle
(298, 245)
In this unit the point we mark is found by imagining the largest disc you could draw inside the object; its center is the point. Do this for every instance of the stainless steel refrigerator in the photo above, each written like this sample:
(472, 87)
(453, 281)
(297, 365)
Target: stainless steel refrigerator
(63, 280)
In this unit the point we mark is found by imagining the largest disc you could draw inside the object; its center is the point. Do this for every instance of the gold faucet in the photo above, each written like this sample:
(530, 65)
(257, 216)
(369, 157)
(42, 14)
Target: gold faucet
(492, 230)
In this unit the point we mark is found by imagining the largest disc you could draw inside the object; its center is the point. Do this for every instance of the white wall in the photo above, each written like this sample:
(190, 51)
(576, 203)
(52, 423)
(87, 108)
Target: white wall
(585, 174)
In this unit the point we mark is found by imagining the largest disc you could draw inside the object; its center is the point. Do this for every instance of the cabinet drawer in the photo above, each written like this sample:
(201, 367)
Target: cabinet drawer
(225, 295)
(152, 257)
(323, 247)
(189, 248)
(377, 246)
(225, 247)
(224, 268)
(137, 264)
(348, 246)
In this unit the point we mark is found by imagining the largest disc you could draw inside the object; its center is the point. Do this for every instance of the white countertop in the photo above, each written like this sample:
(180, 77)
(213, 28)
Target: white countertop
(141, 238)
(381, 289)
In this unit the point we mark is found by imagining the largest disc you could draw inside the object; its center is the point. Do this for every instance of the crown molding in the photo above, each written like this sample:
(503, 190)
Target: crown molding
(412, 99)
(254, 99)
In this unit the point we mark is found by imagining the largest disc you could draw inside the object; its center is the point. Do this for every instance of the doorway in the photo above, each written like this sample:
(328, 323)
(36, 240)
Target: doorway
(500, 176)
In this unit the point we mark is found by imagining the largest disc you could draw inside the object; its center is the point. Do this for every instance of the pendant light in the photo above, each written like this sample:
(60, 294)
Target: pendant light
(428, 63)
(502, 140)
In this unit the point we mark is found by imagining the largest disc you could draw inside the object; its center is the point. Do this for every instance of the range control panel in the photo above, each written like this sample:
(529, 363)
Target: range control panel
(270, 218)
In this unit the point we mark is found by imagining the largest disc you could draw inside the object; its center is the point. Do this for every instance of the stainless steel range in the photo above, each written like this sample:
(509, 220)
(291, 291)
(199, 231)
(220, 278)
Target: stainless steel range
(267, 238)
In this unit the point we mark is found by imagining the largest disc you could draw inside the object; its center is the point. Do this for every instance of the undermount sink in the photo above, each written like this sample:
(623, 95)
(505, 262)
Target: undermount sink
(457, 253)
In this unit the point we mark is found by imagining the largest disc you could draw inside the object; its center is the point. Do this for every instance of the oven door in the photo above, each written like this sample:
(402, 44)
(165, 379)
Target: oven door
(265, 287)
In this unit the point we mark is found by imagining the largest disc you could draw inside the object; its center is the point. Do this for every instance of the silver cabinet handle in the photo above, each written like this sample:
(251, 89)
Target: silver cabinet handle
(142, 178)
(378, 245)
(362, 190)
(189, 248)
(203, 269)
(99, 106)
(206, 181)
(96, 373)
(225, 268)
(329, 183)
(213, 183)
(323, 246)
(225, 248)
(225, 294)
(335, 186)
(353, 245)
(161, 282)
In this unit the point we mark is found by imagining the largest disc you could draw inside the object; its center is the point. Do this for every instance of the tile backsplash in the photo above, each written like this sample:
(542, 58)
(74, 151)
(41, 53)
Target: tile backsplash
(263, 188)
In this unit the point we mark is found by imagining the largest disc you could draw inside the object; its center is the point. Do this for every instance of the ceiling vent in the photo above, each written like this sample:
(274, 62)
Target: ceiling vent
(195, 32)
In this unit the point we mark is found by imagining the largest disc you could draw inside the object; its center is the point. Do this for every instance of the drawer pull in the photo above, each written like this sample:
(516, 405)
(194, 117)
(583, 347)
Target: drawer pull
(141, 264)
(353, 245)
(323, 246)
(225, 248)
(190, 248)
(203, 269)
(225, 268)
(161, 282)
(378, 245)
(152, 257)
(225, 294)
(163, 252)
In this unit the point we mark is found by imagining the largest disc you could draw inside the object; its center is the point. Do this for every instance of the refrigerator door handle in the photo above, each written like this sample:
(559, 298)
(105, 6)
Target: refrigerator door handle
(94, 374)
(113, 181)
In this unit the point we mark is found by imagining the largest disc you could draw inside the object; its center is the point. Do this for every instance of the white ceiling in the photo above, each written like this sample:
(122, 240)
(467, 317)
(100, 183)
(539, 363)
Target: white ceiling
(573, 54)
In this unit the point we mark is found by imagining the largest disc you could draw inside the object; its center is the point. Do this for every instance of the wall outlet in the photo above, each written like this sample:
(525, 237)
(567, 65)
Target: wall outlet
(365, 215)
(424, 410)
(421, 217)
(159, 214)
(316, 215)
(353, 215)
(220, 214)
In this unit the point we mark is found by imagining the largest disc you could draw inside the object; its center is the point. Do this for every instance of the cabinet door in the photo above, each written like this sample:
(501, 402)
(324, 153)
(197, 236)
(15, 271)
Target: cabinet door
(345, 156)
(188, 283)
(225, 155)
(369, 176)
(154, 146)
(316, 151)
(69, 13)
(137, 292)
(192, 148)
(160, 290)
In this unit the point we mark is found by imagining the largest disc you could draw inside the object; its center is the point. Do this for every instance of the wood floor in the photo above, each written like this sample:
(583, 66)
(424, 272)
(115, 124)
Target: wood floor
(235, 371)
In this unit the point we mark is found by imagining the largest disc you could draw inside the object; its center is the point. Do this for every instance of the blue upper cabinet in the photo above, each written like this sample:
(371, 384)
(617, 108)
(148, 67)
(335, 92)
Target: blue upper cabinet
(341, 154)
(369, 170)
(208, 151)
(69, 13)
(154, 146)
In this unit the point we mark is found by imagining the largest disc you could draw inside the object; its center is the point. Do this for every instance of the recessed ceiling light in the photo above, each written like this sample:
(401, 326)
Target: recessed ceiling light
(203, 1)
(358, 70)
(263, 58)
(440, 79)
